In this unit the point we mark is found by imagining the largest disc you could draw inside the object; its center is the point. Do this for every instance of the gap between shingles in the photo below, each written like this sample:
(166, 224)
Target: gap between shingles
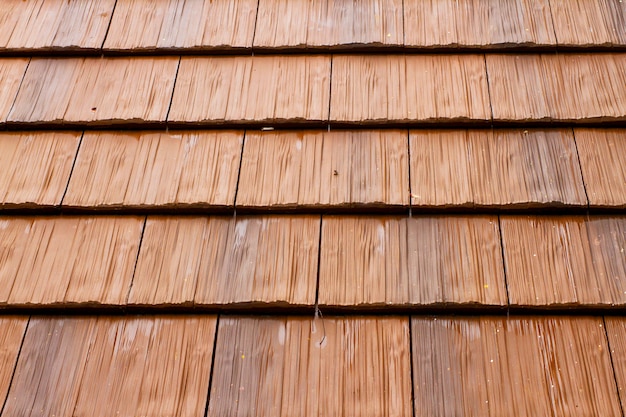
(506, 280)
(243, 144)
(208, 395)
(556, 39)
(17, 359)
(106, 34)
(69, 178)
(330, 88)
(408, 147)
(18, 89)
(411, 366)
(256, 19)
(132, 280)
(169, 108)
(580, 169)
(488, 88)
(608, 345)
(403, 25)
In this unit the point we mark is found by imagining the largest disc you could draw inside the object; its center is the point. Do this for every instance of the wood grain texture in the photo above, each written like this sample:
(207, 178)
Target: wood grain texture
(565, 260)
(157, 366)
(537, 366)
(156, 169)
(67, 260)
(36, 167)
(324, 169)
(589, 23)
(477, 23)
(495, 168)
(95, 91)
(12, 330)
(328, 23)
(562, 87)
(228, 261)
(302, 367)
(181, 24)
(391, 261)
(409, 88)
(53, 24)
(616, 333)
(12, 72)
(602, 155)
(251, 89)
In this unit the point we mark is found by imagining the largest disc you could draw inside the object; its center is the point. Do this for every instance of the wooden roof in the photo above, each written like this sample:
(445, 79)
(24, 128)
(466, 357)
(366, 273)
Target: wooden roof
(312, 208)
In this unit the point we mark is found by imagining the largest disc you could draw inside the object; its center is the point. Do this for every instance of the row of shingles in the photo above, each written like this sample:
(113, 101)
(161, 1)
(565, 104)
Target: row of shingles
(496, 169)
(364, 262)
(130, 25)
(448, 366)
(279, 90)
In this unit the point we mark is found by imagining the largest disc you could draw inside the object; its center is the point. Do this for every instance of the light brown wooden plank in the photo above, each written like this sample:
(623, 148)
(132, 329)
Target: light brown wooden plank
(477, 23)
(589, 23)
(392, 261)
(495, 168)
(538, 366)
(186, 24)
(330, 23)
(324, 169)
(54, 24)
(12, 330)
(251, 89)
(228, 261)
(409, 88)
(36, 167)
(95, 90)
(616, 333)
(565, 260)
(563, 87)
(157, 366)
(303, 367)
(603, 161)
(12, 71)
(67, 260)
(155, 169)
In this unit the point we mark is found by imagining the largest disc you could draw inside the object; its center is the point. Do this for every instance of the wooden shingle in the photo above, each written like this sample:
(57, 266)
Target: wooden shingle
(12, 330)
(590, 23)
(616, 334)
(12, 72)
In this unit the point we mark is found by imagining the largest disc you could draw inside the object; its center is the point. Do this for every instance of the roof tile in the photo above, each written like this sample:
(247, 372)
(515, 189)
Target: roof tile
(589, 23)
(11, 74)
(323, 169)
(12, 330)
(616, 334)
(155, 169)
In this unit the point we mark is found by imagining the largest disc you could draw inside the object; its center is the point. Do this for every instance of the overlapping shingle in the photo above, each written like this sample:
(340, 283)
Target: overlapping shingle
(495, 168)
(417, 261)
(324, 169)
(303, 367)
(187, 24)
(518, 366)
(11, 74)
(12, 330)
(36, 167)
(155, 169)
(95, 91)
(589, 23)
(560, 87)
(616, 337)
(157, 366)
(67, 260)
(409, 88)
(565, 260)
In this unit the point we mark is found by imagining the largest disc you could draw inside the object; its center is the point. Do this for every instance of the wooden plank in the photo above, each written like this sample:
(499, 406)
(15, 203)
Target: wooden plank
(158, 366)
(54, 25)
(228, 261)
(324, 169)
(562, 87)
(589, 23)
(251, 89)
(495, 168)
(478, 23)
(12, 72)
(409, 88)
(391, 261)
(186, 24)
(328, 24)
(603, 161)
(67, 260)
(303, 367)
(616, 333)
(95, 91)
(565, 260)
(518, 366)
(37, 167)
(155, 169)
(12, 330)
